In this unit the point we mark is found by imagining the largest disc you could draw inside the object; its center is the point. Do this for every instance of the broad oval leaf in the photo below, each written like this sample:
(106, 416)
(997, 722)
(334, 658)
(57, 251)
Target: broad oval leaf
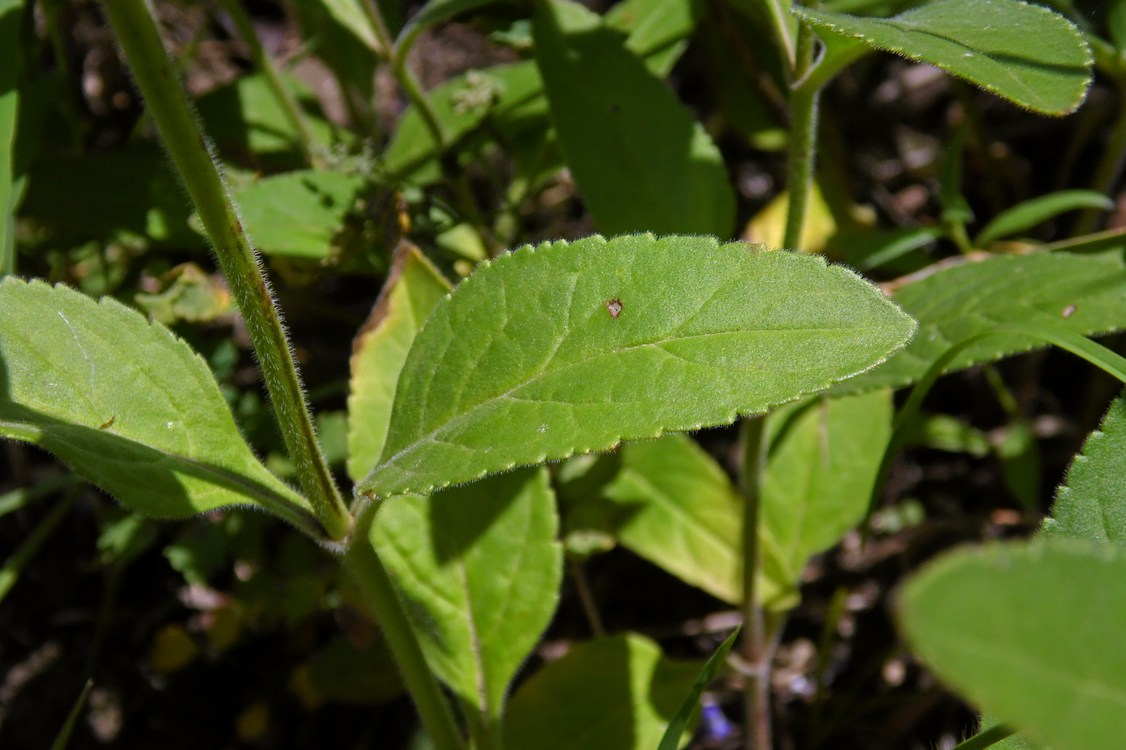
(411, 291)
(478, 568)
(1031, 633)
(640, 160)
(127, 405)
(677, 509)
(1092, 503)
(572, 348)
(822, 465)
(1025, 53)
(615, 693)
(1083, 294)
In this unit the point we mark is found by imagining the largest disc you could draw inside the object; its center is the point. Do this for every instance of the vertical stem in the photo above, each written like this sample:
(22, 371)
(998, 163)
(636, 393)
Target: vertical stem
(167, 102)
(756, 650)
(803, 129)
(1110, 165)
(363, 563)
(284, 97)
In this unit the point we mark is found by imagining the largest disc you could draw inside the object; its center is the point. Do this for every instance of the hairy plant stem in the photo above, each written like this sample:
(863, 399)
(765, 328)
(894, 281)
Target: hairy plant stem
(284, 97)
(803, 146)
(755, 651)
(367, 570)
(167, 102)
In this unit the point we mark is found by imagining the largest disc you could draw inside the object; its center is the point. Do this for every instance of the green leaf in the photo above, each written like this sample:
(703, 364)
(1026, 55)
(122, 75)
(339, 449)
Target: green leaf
(1091, 505)
(412, 290)
(641, 162)
(126, 405)
(1025, 53)
(434, 12)
(478, 569)
(658, 29)
(823, 461)
(614, 693)
(678, 510)
(679, 724)
(1031, 633)
(11, 12)
(297, 214)
(350, 15)
(1024, 216)
(1073, 292)
(572, 348)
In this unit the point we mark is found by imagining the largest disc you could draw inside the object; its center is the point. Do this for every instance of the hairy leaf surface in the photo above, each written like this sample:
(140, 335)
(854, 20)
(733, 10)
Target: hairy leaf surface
(572, 348)
(127, 405)
(412, 290)
(1092, 504)
(1031, 633)
(1084, 294)
(1024, 53)
(479, 570)
(614, 693)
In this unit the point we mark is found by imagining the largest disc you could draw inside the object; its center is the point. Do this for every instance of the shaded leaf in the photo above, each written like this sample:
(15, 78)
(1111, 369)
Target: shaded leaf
(641, 162)
(10, 183)
(411, 291)
(478, 569)
(987, 42)
(350, 15)
(572, 348)
(1091, 505)
(823, 461)
(1079, 293)
(614, 693)
(678, 509)
(126, 405)
(1031, 633)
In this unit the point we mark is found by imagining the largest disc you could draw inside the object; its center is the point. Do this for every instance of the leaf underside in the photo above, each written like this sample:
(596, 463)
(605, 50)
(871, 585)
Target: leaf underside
(125, 404)
(1025, 53)
(572, 348)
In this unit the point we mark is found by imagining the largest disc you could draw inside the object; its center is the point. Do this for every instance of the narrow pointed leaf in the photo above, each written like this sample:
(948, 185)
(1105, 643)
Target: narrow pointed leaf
(1025, 53)
(1031, 633)
(479, 569)
(823, 462)
(641, 162)
(572, 348)
(1082, 294)
(1092, 504)
(614, 693)
(10, 182)
(1026, 215)
(678, 509)
(679, 724)
(412, 289)
(127, 405)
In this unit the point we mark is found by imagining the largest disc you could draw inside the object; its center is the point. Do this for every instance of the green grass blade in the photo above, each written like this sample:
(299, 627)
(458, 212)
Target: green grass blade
(679, 724)
(1026, 215)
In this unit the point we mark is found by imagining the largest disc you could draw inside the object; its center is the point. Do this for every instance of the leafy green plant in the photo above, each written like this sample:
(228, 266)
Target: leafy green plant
(504, 426)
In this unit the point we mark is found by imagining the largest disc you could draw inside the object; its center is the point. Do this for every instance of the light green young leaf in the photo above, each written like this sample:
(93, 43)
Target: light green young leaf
(350, 15)
(658, 29)
(297, 214)
(478, 569)
(1091, 505)
(1081, 294)
(1025, 53)
(1024, 216)
(614, 693)
(1031, 633)
(412, 289)
(822, 463)
(572, 348)
(641, 162)
(126, 405)
(678, 509)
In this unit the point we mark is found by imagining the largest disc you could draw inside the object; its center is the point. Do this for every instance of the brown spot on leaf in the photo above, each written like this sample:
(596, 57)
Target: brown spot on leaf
(614, 306)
